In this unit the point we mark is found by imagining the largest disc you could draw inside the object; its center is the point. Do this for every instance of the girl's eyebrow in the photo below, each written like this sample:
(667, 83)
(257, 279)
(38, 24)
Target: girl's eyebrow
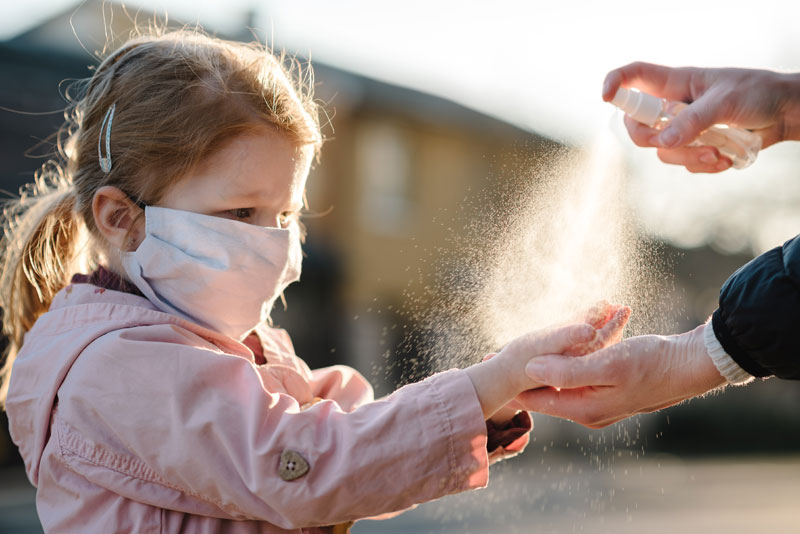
(250, 195)
(246, 194)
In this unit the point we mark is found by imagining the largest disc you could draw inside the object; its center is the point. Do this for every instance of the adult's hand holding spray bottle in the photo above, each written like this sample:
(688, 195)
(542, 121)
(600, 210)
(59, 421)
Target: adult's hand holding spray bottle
(738, 144)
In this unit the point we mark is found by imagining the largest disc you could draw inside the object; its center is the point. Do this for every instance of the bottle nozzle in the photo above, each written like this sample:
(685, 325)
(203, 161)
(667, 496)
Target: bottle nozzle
(640, 106)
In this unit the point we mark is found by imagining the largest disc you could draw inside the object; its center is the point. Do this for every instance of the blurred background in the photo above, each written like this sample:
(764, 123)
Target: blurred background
(437, 111)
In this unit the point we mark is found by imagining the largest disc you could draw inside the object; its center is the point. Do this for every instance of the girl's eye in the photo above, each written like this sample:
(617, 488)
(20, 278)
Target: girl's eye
(241, 213)
(286, 218)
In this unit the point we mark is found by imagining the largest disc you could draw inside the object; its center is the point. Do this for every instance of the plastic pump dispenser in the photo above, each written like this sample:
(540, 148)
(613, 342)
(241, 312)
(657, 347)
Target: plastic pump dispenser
(740, 145)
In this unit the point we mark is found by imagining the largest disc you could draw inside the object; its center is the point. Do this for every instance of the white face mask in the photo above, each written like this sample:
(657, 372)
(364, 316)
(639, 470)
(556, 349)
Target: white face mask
(219, 273)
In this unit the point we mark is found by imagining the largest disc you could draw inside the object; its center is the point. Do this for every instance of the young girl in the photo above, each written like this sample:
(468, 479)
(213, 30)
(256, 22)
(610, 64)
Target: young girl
(151, 395)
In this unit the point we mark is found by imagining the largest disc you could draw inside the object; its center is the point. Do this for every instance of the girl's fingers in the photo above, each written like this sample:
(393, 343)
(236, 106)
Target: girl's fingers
(696, 159)
(615, 325)
(599, 314)
(617, 337)
(558, 340)
(612, 331)
(612, 312)
(608, 334)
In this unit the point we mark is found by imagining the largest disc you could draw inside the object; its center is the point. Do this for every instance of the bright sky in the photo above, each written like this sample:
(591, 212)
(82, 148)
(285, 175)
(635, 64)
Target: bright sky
(540, 65)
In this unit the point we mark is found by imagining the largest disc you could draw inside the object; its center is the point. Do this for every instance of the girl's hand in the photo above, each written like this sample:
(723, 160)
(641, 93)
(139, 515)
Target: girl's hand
(607, 319)
(501, 378)
(766, 102)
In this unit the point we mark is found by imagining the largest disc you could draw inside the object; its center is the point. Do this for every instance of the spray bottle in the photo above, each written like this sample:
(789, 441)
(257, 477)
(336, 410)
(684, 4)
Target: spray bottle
(740, 145)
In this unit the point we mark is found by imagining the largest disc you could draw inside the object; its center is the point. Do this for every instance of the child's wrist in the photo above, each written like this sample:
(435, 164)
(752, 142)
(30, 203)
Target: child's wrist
(494, 383)
(513, 369)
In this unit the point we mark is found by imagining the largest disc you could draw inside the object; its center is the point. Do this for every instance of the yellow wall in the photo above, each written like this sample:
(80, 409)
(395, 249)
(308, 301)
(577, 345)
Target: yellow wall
(447, 165)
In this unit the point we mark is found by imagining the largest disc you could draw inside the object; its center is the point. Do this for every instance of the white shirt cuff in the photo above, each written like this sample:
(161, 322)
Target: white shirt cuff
(726, 366)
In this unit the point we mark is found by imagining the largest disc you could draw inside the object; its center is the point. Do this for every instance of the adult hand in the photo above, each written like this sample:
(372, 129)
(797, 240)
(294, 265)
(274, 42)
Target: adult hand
(766, 102)
(638, 375)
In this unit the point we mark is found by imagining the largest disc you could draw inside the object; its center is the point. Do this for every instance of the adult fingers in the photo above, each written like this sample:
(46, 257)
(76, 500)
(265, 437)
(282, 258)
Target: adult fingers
(709, 109)
(586, 406)
(658, 80)
(610, 414)
(641, 134)
(595, 407)
(570, 371)
(567, 404)
(696, 159)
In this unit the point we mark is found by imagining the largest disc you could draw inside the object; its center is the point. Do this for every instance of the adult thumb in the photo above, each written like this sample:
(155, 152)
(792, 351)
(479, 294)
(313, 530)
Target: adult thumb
(691, 121)
(567, 371)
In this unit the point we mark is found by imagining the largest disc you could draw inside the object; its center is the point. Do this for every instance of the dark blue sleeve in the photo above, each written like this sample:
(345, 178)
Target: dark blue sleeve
(758, 319)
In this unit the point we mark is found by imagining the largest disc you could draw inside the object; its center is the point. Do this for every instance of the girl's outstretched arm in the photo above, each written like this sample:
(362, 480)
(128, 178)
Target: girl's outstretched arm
(202, 432)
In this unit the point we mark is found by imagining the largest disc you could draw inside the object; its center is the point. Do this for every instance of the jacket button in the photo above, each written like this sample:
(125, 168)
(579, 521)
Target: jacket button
(292, 465)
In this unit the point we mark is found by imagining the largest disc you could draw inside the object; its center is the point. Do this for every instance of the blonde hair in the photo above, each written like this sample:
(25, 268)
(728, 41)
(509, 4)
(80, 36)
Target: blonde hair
(178, 96)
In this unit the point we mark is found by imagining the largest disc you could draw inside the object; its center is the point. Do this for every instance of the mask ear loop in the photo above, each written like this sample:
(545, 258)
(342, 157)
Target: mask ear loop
(139, 202)
(105, 162)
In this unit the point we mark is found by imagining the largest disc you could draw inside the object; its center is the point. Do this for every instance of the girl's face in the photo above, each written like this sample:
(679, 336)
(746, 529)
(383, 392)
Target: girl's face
(256, 178)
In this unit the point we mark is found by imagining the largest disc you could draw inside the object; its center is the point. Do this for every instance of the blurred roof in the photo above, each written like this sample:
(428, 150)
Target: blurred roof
(83, 30)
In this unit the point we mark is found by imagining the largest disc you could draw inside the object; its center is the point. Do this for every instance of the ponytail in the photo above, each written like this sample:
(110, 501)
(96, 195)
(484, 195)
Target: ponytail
(41, 232)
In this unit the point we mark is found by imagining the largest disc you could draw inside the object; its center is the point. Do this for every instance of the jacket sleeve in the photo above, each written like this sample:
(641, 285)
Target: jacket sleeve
(342, 384)
(509, 439)
(202, 424)
(759, 313)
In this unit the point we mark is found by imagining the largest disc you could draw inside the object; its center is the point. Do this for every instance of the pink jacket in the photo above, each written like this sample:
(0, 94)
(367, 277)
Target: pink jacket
(133, 420)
